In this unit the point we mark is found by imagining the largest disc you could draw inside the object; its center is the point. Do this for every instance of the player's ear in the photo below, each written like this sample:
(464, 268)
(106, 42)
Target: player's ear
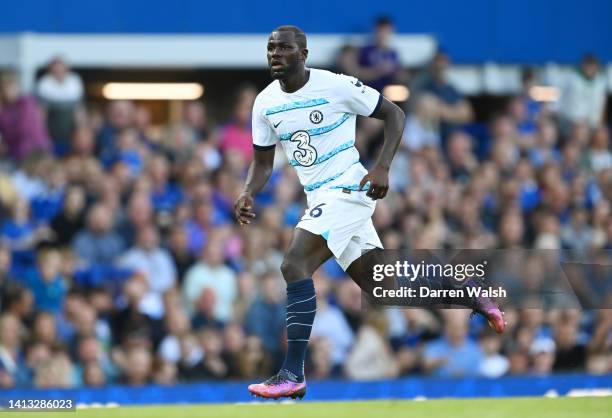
(304, 53)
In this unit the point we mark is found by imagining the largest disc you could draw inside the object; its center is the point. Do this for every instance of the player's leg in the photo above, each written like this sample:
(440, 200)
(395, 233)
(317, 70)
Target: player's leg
(306, 253)
(360, 271)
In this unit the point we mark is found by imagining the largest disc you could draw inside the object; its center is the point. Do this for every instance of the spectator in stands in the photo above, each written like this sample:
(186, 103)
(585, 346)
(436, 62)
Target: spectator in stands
(10, 349)
(138, 367)
(47, 204)
(93, 375)
(505, 150)
(139, 214)
(532, 109)
(517, 110)
(211, 365)
(179, 143)
(156, 267)
(60, 91)
(36, 355)
(120, 116)
(453, 354)
(204, 314)
(453, 108)
(529, 195)
(165, 195)
(266, 315)
(90, 351)
(5, 271)
(88, 324)
(130, 151)
(99, 244)
(58, 372)
(46, 282)
(347, 61)
(22, 125)
(83, 142)
(129, 322)
(164, 372)
(577, 234)
(423, 124)
(599, 156)
(178, 246)
(16, 299)
(571, 352)
(542, 352)
(71, 219)
(234, 340)
(195, 117)
(144, 130)
(493, 363)
(44, 328)
(371, 356)
(255, 361)
(247, 291)
(236, 135)
(21, 234)
(172, 346)
(416, 326)
(583, 96)
(461, 159)
(378, 63)
(349, 301)
(330, 324)
(544, 148)
(211, 272)
(319, 362)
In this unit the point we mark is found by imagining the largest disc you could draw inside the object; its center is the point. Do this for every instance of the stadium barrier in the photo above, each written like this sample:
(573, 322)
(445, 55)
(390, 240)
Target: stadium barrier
(327, 390)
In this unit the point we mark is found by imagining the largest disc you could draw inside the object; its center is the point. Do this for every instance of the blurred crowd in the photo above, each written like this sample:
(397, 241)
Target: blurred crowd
(120, 261)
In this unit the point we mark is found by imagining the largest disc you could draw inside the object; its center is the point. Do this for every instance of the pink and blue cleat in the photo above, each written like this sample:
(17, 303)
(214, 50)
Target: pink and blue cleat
(281, 385)
(495, 316)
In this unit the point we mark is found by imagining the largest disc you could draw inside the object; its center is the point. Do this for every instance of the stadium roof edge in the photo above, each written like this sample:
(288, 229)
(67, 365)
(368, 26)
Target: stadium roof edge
(29, 51)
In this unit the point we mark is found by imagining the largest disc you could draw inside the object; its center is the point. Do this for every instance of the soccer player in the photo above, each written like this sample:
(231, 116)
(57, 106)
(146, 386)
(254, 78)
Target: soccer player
(312, 113)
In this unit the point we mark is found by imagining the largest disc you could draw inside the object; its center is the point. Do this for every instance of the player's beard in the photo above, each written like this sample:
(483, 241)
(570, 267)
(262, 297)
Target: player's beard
(290, 69)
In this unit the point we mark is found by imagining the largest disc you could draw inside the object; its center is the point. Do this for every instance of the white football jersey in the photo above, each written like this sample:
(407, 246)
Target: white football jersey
(316, 127)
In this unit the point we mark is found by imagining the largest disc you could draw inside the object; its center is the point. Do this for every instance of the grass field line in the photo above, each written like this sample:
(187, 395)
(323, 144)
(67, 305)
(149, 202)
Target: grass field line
(561, 407)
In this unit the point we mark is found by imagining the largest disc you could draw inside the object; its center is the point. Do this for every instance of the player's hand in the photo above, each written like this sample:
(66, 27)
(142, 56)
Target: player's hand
(379, 182)
(243, 208)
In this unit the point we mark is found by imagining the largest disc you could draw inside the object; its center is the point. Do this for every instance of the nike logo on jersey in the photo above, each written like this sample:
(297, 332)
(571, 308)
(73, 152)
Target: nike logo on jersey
(276, 124)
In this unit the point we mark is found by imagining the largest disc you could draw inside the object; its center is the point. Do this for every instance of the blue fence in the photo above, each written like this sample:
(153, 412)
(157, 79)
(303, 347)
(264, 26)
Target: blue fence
(522, 31)
(407, 388)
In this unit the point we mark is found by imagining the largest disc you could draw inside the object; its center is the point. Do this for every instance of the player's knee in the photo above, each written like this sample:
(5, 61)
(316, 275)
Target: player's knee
(293, 269)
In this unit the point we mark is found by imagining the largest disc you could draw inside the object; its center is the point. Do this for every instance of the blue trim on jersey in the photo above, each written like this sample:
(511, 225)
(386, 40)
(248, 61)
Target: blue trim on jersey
(295, 105)
(319, 131)
(328, 155)
(353, 187)
(315, 186)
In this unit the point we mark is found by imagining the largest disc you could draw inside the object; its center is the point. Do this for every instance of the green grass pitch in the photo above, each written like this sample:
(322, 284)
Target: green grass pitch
(452, 408)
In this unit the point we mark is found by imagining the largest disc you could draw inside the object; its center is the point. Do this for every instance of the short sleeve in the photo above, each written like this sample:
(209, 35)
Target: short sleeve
(356, 97)
(264, 136)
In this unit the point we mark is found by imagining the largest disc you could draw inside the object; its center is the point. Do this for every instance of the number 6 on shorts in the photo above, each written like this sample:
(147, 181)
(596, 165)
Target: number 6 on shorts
(316, 211)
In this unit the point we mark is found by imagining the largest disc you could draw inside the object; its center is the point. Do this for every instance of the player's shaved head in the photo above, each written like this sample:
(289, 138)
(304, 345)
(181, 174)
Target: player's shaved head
(299, 35)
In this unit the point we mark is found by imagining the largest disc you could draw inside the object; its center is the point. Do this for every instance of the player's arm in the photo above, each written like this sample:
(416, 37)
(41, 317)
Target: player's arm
(264, 142)
(257, 177)
(378, 176)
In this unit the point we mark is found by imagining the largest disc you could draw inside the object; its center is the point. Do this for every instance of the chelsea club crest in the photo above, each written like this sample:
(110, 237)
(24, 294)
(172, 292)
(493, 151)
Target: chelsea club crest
(316, 117)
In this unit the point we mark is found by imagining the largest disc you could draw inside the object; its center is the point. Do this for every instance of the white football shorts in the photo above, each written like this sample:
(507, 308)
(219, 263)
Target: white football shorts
(344, 220)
